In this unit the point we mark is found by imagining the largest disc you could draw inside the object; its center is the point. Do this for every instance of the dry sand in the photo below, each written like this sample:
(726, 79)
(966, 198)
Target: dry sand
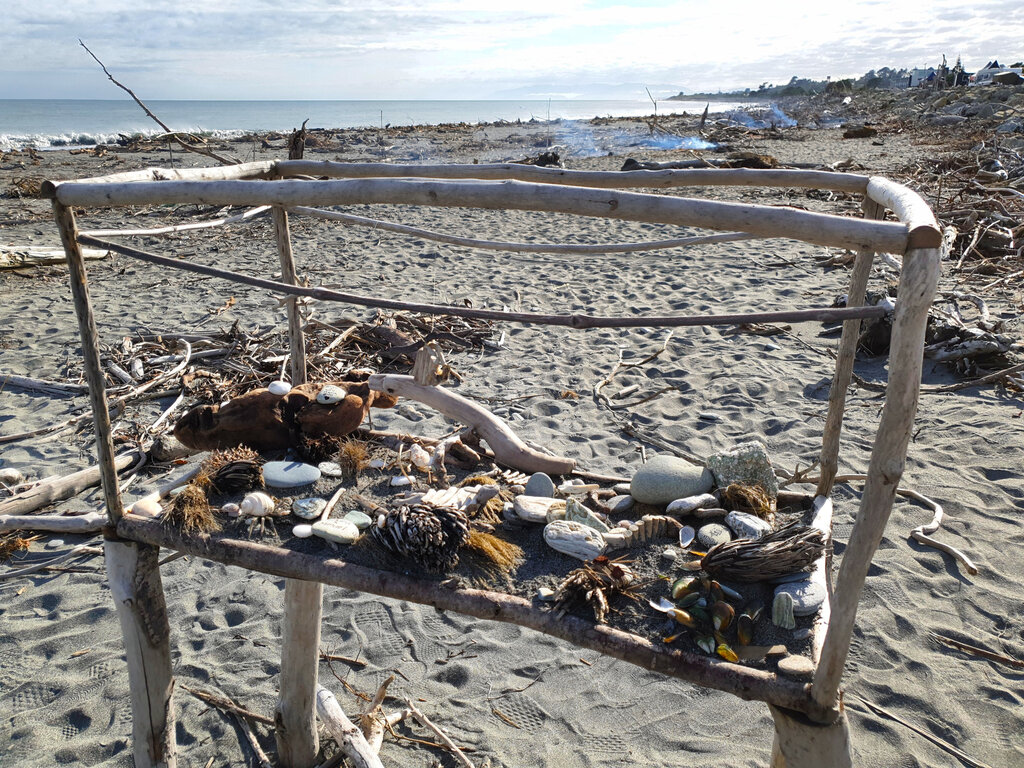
(517, 697)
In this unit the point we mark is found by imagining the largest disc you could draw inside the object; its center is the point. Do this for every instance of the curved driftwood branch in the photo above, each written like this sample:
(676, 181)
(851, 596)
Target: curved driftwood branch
(344, 732)
(491, 245)
(909, 208)
(759, 220)
(244, 216)
(506, 445)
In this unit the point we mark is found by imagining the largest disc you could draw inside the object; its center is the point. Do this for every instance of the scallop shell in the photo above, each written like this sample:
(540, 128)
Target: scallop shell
(257, 504)
(331, 394)
(279, 387)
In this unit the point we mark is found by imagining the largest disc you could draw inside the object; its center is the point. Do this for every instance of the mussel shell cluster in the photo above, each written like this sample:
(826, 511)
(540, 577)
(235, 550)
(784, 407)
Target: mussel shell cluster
(430, 536)
(702, 606)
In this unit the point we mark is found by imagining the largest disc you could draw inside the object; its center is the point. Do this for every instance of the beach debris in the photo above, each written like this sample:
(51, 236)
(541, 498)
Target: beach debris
(258, 507)
(539, 484)
(353, 456)
(710, 535)
(11, 476)
(337, 530)
(500, 554)
(420, 457)
(575, 511)
(669, 554)
(746, 464)
(690, 504)
(722, 615)
(752, 499)
(747, 526)
(595, 584)
(574, 539)
(330, 469)
(807, 594)
(279, 388)
(235, 470)
(191, 511)
(289, 474)
(686, 536)
(538, 509)
(666, 478)
(745, 624)
(545, 594)
(796, 667)
(231, 509)
(428, 535)
(794, 547)
(258, 418)
(309, 508)
(782, 611)
(302, 530)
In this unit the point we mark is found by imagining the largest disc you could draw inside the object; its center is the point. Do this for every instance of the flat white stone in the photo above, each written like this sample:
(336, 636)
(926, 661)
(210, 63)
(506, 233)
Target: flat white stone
(302, 530)
(329, 468)
(747, 526)
(539, 484)
(808, 594)
(713, 534)
(289, 474)
(574, 539)
(690, 504)
(361, 520)
(338, 531)
(279, 387)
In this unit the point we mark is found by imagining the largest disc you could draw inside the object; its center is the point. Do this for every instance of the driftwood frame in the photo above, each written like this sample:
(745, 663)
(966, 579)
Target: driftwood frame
(811, 728)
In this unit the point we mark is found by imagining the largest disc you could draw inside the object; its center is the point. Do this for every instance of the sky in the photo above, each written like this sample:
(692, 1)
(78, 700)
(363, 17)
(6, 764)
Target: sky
(478, 49)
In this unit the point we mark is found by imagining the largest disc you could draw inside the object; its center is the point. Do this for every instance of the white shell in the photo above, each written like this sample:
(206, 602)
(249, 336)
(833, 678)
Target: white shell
(279, 387)
(419, 456)
(574, 539)
(690, 503)
(376, 463)
(747, 526)
(331, 394)
(302, 531)
(686, 536)
(256, 504)
(231, 510)
(538, 509)
(401, 480)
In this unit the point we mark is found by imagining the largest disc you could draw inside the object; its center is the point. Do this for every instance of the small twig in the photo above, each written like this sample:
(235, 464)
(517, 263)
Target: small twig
(261, 756)
(458, 753)
(226, 705)
(976, 651)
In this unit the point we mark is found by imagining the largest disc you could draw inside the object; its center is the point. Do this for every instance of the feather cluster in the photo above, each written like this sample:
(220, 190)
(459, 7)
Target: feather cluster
(430, 536)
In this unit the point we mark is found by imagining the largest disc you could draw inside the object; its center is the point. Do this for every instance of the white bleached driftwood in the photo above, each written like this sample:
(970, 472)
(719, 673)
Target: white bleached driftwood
(60, 487)
(223, 220)
(294, 721)
(90, 522)
(910, 209)
(16, 258)
(802, 743)
(759, 220)
(348, 737)
(506, 445)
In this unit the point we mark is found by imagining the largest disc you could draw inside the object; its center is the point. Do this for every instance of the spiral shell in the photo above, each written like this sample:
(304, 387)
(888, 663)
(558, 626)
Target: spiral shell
(257, 504)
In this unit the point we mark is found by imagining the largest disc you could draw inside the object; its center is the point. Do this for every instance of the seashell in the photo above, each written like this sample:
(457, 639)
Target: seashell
(545, 594)
(338, 531)
(685, 586)
(376, 463)
(747, 526)
(147, 507)
(662, 606)
(400, 480)
(331, 394)
(308, 509)
(722, 615)
(419, 456)
(688, 504)
(11, 476)
(729, 593)
(257, 504)
(689, 599)
(715, 592)
(279, 387)
(574, 539)
(745, 625)
(302, 530)
(782, 611)
(686, 536)
(231, 510)
(536, 509)
(684, 618)
(727, 653)
(668, 554)
(706, 643)
(580, 514)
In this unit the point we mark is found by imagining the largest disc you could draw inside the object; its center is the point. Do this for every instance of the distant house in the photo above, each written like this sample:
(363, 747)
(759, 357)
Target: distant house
(921, 76)
(993, 69)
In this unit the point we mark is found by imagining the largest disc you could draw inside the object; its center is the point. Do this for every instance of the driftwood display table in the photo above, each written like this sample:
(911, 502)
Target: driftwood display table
(811, 729)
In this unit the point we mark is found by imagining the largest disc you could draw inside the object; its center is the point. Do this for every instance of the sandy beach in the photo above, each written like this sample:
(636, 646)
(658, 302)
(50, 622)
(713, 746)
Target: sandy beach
(516, 697)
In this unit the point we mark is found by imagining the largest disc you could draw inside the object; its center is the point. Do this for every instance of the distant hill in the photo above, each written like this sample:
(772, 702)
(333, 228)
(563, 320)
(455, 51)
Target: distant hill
(797, 87)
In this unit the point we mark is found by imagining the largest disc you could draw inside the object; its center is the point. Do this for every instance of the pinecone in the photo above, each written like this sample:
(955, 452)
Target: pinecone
(431, 536)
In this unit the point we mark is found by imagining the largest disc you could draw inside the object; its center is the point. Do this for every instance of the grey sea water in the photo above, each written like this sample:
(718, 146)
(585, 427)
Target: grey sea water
(69, 122)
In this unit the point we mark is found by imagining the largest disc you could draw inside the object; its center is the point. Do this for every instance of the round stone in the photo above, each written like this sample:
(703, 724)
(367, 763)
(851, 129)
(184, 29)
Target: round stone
(359, 519)
(302, 531)
(619, 505)
(666, 478)
(289, 474)
(329, 468)
(796, 667)
(747, 526)
(279, 387)
(713, 534)
(331, 394)
(539, 484)
(55, 543)
(808, 594)
(308, 509)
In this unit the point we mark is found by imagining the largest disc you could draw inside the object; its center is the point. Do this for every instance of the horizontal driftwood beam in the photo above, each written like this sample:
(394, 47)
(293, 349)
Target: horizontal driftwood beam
(910, 209)
(759, 220)
(745, 682)
(823, 315)
(259, 170)
(699, 177)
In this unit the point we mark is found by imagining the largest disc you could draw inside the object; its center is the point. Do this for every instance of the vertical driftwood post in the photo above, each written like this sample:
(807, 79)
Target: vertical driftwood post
(844, 361)
(135, 584)
(91, 358)
(916, 290)
(295, 722)
(803, 743)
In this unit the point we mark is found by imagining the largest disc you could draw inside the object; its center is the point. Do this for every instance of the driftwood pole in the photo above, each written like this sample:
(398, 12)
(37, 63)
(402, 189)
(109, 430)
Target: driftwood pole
(844, 361)
(294, 721)
(134, 576)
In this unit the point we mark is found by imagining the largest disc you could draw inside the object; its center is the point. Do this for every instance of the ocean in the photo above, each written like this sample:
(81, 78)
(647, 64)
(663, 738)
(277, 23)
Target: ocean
(48, 124)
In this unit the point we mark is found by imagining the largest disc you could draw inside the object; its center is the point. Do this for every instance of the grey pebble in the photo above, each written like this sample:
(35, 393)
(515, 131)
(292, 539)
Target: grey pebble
(620, 504)
(540, 484)
(713, 534)
(289, 474)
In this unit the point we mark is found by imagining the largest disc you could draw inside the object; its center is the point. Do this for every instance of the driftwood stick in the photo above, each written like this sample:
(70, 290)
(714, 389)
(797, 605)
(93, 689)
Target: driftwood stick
(758, 220)
(974, 650)
(460, 756)
(824, 314)
(254, 744)
(921, 533)
(295, 723)
(62, 487)
(79, 551)
(746, 682)
(802, 743)
(227, 705)
(90, 522)
(492, 245)
(507, 447)
(289, 276)
(244, 216)
(349, 738)
(374, 722)
(41, 385)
